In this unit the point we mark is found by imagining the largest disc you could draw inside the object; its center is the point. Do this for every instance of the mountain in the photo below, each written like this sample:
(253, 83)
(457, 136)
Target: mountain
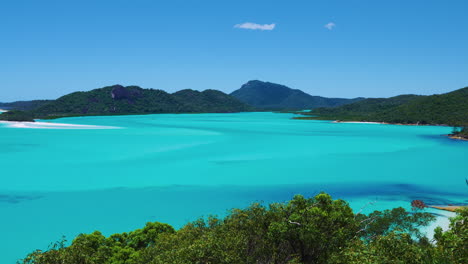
(266, 95)
(24, 105)
(119, 100)
(449, 108)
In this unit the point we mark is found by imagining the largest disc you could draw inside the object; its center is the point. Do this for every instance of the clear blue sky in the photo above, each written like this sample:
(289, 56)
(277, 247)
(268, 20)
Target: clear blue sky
(373, 48)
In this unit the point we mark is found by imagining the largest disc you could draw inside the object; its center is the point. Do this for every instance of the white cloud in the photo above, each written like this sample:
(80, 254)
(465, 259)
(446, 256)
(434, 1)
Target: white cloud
(330, 25)
(254, 26)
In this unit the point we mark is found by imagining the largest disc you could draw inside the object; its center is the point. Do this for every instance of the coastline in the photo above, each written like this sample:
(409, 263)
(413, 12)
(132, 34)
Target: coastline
(46, 125)
(450, 208)
(458, 137)
(451, 136)
(387, 123)
(360, 122)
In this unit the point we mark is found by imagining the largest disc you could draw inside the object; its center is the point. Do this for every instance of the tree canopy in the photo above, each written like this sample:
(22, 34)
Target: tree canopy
(120, 100)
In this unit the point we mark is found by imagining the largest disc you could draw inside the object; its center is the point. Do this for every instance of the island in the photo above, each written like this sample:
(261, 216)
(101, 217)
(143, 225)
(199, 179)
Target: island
(129, 100)
(449, 109)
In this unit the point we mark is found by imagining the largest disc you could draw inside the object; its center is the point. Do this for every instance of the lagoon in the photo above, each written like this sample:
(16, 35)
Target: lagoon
(115, 173)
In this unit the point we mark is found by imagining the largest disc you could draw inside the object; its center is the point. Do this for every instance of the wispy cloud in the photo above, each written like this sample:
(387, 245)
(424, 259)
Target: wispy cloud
(254, 26)
(330, 26)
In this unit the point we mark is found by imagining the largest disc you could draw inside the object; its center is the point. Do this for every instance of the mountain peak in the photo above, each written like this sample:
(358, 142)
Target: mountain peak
(267, 95)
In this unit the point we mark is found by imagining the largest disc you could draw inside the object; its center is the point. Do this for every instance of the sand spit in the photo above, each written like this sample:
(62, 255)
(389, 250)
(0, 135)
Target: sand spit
(46, 125)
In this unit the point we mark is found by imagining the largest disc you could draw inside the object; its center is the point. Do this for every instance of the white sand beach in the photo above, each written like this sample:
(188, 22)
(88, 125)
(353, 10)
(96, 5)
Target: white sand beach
(46, 125)
(442, 220)
(359, 122)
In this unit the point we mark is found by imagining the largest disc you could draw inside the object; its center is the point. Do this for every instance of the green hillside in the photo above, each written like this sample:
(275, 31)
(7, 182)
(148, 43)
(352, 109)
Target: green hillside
(24, 105)
(272, 96)
(449, 109)
(16, 115)
(119, 100)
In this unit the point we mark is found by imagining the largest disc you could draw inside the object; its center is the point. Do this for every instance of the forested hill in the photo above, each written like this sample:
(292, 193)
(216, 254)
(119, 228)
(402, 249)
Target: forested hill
(24, 105)
(449, 109)
(272, 96)
(117, 100)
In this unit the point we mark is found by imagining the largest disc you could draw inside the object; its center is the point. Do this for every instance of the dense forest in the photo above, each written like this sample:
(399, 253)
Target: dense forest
(119, 100)
(303, 230)
(272, 96)
(24, 105)
(16, 115)
(448, 109)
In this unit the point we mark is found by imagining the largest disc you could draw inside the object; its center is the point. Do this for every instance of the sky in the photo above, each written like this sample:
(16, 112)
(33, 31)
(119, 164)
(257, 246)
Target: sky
(346, 48)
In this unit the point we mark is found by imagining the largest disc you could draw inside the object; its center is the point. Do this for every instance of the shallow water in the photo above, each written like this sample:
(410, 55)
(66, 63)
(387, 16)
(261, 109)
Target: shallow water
(174, 168)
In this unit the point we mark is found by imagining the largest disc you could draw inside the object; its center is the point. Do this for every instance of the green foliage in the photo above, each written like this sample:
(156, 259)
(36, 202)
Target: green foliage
(24, 105)
(396, 220)
(303, 230)
(271, 96)
(453, 244)
(449, 109)
(96, 248)
(118, 100)
(16, 115)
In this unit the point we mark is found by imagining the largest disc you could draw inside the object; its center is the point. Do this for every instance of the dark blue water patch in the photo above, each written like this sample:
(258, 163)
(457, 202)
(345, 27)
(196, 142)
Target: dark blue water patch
(273, 193)
(15, 199)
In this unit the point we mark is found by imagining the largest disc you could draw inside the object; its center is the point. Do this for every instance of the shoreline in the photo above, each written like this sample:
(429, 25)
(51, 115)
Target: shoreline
(457, 137)
(449, 208)
(451, 136)
(360, 122)
(47, 125)
(387, 123)
(366, 122)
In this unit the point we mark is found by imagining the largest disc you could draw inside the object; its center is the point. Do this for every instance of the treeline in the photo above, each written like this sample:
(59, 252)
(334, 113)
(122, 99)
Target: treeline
(448, 109)
(24, 105)
(303, 230)
(16, 115)
(120, 100)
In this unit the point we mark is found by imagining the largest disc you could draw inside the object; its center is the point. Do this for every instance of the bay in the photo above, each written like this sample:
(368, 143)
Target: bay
(115, 173)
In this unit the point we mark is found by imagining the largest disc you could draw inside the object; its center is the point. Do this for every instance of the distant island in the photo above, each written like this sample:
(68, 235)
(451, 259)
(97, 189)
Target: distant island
(449, 109)
(272, 96)
(120, 100)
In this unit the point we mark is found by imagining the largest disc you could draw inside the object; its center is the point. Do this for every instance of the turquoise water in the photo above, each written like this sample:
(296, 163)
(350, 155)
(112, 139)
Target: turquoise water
(174, 168)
